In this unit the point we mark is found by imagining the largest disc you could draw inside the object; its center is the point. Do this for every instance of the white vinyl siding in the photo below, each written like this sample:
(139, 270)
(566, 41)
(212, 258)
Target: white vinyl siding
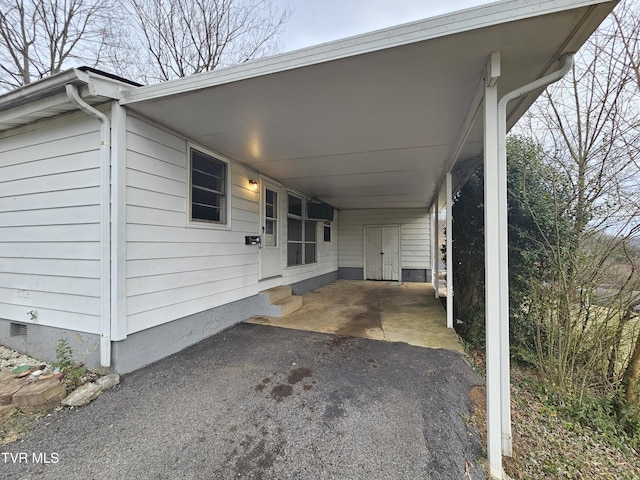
(175, 267)
(415, 235)
(50, 223)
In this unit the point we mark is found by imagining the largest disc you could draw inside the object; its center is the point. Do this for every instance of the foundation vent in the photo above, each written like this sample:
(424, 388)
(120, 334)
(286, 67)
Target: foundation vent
(17, 330)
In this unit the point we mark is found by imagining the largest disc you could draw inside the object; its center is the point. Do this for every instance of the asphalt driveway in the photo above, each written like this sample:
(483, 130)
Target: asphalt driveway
(261, 402)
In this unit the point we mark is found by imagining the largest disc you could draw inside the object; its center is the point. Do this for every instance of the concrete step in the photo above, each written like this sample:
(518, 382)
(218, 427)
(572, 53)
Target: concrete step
(289, 305)
(277, 293)
(278, 302)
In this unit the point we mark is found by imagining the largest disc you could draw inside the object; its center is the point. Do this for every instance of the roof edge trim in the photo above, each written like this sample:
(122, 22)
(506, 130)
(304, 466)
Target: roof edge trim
(42, 88)
(421, 30)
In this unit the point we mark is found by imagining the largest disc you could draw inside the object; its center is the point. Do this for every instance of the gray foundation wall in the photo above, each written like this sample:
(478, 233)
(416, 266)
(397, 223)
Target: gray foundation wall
(351, 273)
(142, 348)
(300, 288)
(148, 346)
(40, 342)
(408, 274)
(422, 275)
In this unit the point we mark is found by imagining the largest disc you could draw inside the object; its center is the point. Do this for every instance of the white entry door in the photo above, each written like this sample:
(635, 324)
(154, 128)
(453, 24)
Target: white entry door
(382, 252)
(271, 225)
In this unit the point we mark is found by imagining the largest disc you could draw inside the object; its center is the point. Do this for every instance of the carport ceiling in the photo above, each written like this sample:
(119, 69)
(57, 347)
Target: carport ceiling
(372, 121)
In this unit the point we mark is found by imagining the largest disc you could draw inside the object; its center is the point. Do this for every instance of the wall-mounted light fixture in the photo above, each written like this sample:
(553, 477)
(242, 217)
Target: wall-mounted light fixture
(253, 184)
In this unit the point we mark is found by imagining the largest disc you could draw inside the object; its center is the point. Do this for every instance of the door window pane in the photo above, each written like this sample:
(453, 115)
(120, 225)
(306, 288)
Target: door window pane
(271, 215)
(271, 233)
(271, 197)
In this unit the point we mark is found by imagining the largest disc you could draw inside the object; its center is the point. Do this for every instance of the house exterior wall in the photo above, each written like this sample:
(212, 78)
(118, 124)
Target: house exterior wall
(50, 226)
(182, 281)
(415, 238)
(176, 268)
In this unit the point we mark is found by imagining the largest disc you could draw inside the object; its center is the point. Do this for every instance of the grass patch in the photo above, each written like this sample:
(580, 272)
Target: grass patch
(14, 425)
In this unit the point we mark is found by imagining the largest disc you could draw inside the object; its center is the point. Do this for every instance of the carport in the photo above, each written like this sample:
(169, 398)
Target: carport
(394, 119)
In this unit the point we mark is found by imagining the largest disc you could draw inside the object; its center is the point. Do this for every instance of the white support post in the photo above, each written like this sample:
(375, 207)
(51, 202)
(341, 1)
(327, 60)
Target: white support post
(436, 250)
(449, 251)
(118, 222)
(492, 268)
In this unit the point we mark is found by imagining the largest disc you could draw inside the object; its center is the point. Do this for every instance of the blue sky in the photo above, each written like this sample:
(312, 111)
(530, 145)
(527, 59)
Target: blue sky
(318, 21)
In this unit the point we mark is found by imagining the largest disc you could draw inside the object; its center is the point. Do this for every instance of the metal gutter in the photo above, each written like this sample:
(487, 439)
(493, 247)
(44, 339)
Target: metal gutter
(47, 97)
(42, 88)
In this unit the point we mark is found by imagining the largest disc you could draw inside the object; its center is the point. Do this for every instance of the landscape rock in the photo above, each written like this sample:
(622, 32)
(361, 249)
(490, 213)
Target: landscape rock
(21, 369)
(82, 395)
(10, 359)
(39, 395)
(9, 387)
(108, 381)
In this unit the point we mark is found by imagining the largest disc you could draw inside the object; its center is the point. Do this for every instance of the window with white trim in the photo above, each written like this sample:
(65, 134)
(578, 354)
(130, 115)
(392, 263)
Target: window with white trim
(208, 177)
(301, 233)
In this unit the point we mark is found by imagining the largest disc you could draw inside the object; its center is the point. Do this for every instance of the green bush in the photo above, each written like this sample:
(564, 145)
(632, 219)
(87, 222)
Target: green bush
(73, 372)
(629, 420)
(619, 425)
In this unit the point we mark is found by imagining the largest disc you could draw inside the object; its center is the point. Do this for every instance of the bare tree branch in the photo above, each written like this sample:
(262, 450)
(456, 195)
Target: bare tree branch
(589, 127)
(40, 37)
(184, 37)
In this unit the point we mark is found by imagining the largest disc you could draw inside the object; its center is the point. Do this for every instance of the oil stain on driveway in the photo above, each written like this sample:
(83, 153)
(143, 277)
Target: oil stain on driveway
(256, 402)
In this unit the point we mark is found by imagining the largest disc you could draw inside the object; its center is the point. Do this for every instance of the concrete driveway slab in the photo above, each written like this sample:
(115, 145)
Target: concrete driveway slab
(389, 311)
(268, 403)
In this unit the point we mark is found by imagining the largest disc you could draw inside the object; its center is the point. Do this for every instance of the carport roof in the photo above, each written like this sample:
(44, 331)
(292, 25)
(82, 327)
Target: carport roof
(371, 121)
(374, 120)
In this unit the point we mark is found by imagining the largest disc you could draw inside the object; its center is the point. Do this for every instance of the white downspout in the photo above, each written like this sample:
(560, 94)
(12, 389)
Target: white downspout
(436, 250)
(505, 381)
(105, 232)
